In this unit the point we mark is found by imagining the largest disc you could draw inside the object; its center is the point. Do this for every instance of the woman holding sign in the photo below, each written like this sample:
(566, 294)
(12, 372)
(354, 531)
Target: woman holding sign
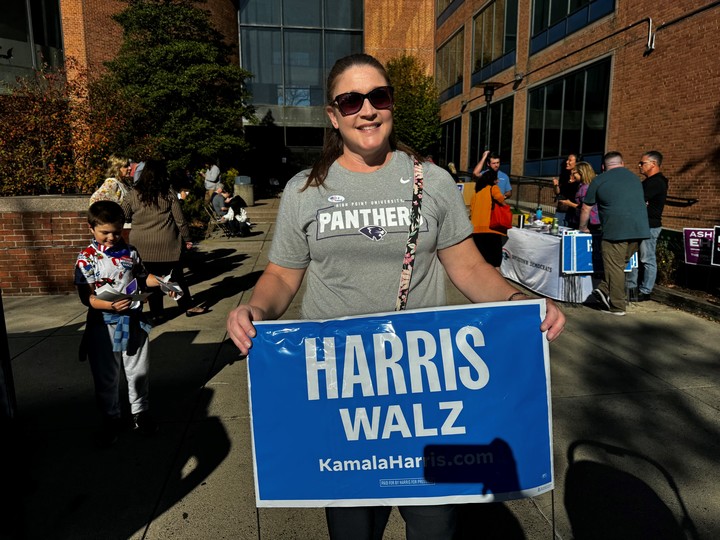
(344, 225)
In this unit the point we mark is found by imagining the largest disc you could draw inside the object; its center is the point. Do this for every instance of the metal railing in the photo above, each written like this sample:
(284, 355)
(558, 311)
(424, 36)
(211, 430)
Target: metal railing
(531, 192)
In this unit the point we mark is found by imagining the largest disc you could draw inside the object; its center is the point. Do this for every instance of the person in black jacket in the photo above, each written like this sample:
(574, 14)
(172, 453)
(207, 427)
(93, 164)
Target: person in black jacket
(655, 188)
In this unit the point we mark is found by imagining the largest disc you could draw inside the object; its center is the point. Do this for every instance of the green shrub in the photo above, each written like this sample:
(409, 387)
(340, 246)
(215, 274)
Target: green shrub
(669, 256)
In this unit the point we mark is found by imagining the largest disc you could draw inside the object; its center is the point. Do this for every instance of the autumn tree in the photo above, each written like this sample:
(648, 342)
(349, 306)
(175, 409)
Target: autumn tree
(181, 96)
(416, 114)
(51, 140)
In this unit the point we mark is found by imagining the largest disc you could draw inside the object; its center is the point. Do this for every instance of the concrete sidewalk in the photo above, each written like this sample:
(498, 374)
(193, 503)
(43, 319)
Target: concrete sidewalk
(635, 422)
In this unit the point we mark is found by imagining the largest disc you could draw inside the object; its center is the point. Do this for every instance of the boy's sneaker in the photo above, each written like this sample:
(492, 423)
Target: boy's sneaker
(145, 423)
(604, 299)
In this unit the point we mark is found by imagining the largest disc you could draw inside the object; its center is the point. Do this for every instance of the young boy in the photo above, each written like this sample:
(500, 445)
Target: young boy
(116, 334)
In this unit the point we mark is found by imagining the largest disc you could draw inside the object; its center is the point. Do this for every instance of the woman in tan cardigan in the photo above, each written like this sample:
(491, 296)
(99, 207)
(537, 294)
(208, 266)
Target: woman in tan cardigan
(159, 232)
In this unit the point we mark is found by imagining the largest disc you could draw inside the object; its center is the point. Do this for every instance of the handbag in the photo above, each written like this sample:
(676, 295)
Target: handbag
(500, 216)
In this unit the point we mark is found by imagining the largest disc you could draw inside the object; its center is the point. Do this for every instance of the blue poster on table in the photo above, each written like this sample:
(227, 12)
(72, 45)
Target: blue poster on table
(576, 254)
(428, 406)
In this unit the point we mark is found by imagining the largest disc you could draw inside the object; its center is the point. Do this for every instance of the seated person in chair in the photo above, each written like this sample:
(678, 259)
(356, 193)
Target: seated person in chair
(231, 210)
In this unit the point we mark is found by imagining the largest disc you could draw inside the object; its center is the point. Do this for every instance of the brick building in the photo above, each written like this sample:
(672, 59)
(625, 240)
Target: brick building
(578, 76)
(569, 76)
(586, 76)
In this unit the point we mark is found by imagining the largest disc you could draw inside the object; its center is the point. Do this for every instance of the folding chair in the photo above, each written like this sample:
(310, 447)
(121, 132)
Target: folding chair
(214, 221)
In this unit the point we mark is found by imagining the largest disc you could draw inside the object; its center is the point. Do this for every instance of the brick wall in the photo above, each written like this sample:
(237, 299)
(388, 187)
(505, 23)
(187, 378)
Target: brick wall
(92, 37)
(40, 238)
(401, 27)
(668, 100)
(103, 36)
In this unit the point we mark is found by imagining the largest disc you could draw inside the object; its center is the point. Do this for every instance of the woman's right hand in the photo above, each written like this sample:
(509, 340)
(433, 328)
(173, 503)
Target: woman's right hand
(240, 325)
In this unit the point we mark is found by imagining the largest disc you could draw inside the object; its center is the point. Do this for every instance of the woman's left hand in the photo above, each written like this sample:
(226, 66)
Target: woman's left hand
(554, 321)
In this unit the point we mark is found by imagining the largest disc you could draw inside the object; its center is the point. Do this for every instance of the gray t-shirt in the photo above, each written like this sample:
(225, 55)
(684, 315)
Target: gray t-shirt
(619, 196)
(351, 233)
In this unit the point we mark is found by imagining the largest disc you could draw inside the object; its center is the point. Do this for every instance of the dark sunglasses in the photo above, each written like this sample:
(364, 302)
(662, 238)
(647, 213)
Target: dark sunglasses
(351, 102)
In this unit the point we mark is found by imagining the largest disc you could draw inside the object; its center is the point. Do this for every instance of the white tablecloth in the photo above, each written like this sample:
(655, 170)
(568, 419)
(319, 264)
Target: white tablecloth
(533, 260)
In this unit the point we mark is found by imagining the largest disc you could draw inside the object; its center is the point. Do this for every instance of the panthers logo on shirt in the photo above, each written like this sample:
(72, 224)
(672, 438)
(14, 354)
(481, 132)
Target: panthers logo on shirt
(373, 232)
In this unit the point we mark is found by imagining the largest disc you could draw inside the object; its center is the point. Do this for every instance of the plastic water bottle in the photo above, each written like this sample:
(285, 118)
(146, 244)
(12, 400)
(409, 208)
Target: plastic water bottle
(555, 226)
(538, 213)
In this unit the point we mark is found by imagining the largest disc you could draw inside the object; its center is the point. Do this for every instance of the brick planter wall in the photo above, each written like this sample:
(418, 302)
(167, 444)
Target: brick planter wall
(40, 238)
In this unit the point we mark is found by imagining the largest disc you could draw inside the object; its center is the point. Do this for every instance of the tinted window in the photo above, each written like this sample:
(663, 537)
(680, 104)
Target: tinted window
(343, 14)
(567, 115)
(260, 12)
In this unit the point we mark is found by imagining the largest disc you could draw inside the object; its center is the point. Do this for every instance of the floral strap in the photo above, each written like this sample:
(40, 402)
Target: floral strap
(411, 245)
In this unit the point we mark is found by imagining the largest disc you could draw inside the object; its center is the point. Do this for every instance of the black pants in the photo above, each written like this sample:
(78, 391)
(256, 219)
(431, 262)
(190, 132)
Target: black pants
(437, 522)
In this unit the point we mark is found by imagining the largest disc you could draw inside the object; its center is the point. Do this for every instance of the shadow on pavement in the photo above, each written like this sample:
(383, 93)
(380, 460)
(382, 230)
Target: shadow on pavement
(208, 265)
(604, 501)
(225, 288)
(488, 521)
(62, 484)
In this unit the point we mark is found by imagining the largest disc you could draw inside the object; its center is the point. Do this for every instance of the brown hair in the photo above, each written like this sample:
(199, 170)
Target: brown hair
(153, 183)
(104, 213)
(333, 142)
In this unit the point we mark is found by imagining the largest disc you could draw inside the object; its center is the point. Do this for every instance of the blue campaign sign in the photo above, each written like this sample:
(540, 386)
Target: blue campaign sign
(428, 406)
(577, 253)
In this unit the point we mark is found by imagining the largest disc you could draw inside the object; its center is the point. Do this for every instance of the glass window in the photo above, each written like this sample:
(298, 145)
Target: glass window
(449, 150)
(500, 133)
(595, 117)
(290, 65)
(558, 10)
(567, 115)
(536, 104)
(260, 12)
(343, 14)
(553, 118)
(442, 5)
(449, 68)
(541, 9)
(302, 13)
(303, 68)
(494, 34)
(572, 116)
(555, 19)
(13, 23)
(445, 8)
(262, 56)
(339, 44)
(46, 22)
(511, 10)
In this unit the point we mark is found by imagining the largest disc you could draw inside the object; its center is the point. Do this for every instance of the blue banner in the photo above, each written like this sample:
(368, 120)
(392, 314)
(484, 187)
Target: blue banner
(577, 257)
(429, 406)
